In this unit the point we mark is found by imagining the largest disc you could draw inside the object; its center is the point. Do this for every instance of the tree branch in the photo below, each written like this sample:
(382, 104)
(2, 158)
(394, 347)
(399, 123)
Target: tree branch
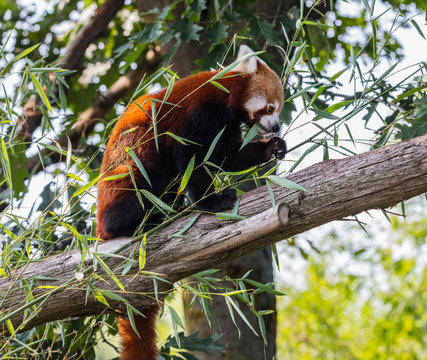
(32, 115)
(337, 189)
(101, 105)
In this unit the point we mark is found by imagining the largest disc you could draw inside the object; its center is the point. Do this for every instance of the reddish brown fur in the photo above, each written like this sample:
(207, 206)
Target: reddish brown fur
(144, 346)
(187, 93)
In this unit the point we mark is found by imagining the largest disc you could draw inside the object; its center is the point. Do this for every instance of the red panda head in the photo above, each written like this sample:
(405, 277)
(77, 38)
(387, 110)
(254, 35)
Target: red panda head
(264, 96)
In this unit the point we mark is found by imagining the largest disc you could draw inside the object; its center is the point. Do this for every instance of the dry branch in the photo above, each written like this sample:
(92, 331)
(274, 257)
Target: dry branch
(101, 105)
(32, 115)
(337, 189)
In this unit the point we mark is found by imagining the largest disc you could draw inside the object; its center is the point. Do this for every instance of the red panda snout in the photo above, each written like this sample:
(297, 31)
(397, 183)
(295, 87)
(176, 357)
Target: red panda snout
(270, 123)
(264, 113)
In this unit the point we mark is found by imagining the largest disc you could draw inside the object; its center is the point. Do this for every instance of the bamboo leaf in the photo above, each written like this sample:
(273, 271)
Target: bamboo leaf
(115, 177)
(154, 118)
(142, 252)
(5, 163)
(250, 135)
(24, 53)
(187, 226)
(285, 183)
(109, 272)
(264, 288)
(231, 311)
(213, 144)
(156, 201)
(176, 321)
(219, 86)
(408, 93)
(181, 140)
(169, 89)
(230, 67)
(261, 325)
(87, 186)
(236, 307)
(40, 91)
(388, 71)
(186, 176)
(317, 24)
(138, 163)
(228, 216)
(323, 114)
(132, 319)
(416, 26)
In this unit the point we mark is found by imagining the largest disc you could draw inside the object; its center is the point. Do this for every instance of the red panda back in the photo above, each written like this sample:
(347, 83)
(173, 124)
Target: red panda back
(197, 101)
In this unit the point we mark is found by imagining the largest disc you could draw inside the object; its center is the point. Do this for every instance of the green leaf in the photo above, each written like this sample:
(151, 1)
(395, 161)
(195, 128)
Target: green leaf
(40, 91)
(115, 177)
(323, 114)
(265, 29)
(285, 183)
(87, 186)
(24, 53)
(408, 93)
(250, 135)
(185, 30)
(416, 127)
(142, 252)
(162, 206)
(149, 33)
(217, 33)
(236, 307)
(219, 86)
(138, 163)
(187, 226)
(228, 216)
(109, 272)
(186, 176)
(416, 26)
(213, 144)
(5, 163)
(265, 288)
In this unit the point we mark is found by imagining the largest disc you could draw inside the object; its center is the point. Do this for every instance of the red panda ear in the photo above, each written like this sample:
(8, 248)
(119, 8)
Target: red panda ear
(249, 65)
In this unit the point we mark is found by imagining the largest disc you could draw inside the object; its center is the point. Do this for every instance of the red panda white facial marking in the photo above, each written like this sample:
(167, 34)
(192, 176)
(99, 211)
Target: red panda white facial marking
(266, 114)
(264, 99)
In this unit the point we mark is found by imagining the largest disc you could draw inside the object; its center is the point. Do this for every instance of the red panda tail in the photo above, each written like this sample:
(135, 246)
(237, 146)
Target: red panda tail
(144, 346)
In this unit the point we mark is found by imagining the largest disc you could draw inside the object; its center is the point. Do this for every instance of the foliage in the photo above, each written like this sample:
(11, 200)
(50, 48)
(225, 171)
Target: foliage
(372, 308)
(302, 44)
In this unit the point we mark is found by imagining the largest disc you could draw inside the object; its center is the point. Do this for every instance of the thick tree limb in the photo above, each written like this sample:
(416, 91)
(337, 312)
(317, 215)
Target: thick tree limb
(337, 189)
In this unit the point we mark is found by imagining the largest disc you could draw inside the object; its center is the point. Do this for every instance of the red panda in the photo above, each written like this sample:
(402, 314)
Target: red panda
(195, 110)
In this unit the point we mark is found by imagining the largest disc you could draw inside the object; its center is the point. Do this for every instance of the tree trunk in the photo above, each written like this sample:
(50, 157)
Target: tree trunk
(248, 345)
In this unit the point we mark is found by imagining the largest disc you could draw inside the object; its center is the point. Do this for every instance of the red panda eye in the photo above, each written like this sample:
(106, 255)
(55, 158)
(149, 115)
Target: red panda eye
(270, 109)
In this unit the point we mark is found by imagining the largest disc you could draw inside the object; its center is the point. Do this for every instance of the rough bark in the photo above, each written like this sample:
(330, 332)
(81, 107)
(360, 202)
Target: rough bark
(245, 345)
(336, 189)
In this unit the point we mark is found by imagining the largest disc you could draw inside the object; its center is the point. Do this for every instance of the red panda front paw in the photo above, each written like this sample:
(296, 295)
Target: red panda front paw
(216, 203)
(226, 200)
(279, 148)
